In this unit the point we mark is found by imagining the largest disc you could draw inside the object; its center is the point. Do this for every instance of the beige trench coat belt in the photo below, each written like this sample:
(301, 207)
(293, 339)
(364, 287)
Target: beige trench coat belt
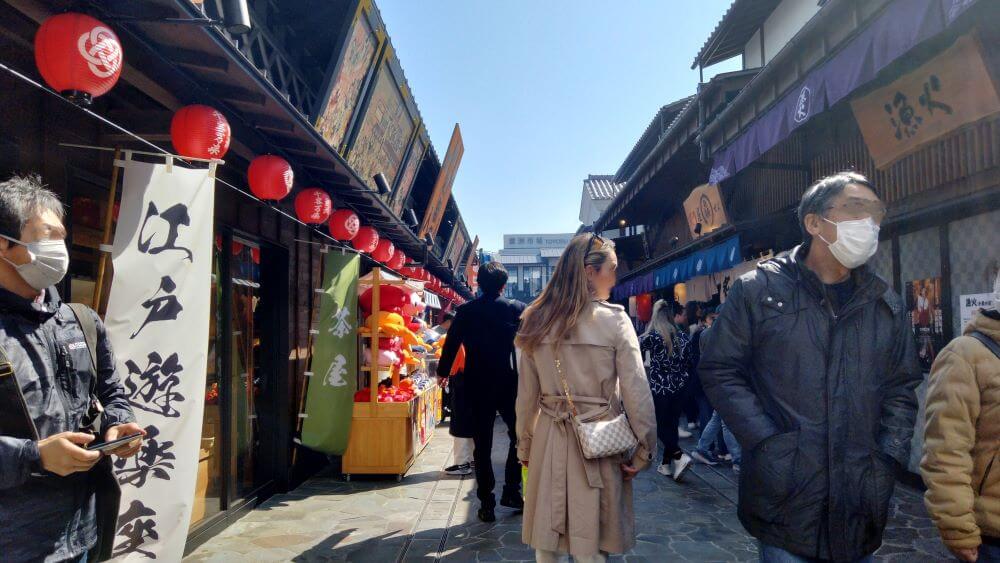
(561, 417)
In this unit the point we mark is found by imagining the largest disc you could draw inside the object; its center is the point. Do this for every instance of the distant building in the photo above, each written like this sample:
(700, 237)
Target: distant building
(530, 260)
(597, 193)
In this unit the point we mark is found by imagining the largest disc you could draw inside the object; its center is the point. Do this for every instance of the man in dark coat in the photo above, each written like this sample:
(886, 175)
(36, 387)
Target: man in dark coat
(486, 326)
(812, 364)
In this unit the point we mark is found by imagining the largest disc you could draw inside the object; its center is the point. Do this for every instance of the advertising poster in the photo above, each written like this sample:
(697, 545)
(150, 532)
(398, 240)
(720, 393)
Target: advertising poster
(969, 305)
(409, 174)
(384, 134)
(358, 56)
(923, 301)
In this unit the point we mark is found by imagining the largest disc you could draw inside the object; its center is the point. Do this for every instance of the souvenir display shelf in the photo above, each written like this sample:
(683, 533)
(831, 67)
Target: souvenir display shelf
(386, 437)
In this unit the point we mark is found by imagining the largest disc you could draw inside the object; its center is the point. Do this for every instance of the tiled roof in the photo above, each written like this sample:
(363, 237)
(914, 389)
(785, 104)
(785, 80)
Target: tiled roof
(736, 27)
(601, 186)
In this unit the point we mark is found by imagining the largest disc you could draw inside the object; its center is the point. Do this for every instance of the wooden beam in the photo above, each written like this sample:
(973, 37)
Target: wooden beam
(235, 94)
(293, 144)
(196, 59)
(262, 121)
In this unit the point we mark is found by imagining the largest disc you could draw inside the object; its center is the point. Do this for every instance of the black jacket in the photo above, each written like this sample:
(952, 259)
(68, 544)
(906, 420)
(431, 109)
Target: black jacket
(486, 326)
(43, 516)
(822, 403)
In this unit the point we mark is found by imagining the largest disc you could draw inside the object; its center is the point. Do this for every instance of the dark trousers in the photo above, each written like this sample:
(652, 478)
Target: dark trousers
(668, 413)
(483, 440)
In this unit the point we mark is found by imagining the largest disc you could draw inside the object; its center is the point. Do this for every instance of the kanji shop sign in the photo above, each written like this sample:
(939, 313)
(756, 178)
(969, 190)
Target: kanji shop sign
(704, 207)
(949, 91)
(157, 321)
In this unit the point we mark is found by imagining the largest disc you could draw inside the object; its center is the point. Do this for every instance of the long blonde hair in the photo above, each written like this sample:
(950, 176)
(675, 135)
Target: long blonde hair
(557, 310)
(663, 323)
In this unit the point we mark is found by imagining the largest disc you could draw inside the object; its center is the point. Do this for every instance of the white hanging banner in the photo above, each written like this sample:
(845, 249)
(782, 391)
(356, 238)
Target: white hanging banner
(157, 319)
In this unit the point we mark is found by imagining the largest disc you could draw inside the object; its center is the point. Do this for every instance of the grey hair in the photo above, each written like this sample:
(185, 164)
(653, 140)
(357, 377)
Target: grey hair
(21, 198)
(817, 198)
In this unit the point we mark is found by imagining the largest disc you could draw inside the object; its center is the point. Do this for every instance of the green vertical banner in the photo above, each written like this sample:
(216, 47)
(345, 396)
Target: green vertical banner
(330, 396)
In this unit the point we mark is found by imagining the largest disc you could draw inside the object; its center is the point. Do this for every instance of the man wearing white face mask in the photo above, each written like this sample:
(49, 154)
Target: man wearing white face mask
(53, 491)
(812, 364)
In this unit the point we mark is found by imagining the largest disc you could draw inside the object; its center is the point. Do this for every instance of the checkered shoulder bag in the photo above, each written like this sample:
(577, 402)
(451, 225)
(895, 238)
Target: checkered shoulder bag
(599, 438)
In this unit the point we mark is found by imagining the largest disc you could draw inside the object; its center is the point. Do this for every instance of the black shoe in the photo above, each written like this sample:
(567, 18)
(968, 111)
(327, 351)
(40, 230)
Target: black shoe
(486, 515)
(512, 501)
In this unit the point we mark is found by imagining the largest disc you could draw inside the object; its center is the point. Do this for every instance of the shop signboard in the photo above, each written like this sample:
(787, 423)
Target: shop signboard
(951, 90)
(457, 247)
(330, 394)
(409, 174)
(158, 321)
(704, 210)
(472, 265)
(923, 301)
(969, 305)
(352, 70)
(442, 187)
(385, 131)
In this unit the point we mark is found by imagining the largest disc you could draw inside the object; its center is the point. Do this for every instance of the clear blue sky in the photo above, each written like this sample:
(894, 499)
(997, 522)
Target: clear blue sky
(545, 91)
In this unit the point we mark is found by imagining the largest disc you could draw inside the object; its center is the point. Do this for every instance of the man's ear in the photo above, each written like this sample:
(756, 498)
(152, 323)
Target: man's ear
(813, 223)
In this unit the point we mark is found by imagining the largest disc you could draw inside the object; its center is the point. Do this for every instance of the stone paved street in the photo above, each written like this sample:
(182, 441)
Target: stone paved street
(431, 516)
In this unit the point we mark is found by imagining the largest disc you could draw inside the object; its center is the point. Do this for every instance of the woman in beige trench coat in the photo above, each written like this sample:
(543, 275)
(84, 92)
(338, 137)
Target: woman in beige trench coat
(573, 505)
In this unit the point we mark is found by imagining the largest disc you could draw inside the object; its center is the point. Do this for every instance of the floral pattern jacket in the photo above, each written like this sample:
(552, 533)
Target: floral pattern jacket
(667, 373)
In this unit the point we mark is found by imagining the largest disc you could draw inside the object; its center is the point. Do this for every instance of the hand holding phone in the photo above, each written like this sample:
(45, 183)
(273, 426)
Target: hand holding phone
(109, 446)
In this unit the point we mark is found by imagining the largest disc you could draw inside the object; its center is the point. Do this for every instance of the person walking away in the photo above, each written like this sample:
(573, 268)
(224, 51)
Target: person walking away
(812, 363)
(48, 479)
(462, 447)
(486, 327)
(576, 506)
(962, 439)
(715, 427)
(668, 346)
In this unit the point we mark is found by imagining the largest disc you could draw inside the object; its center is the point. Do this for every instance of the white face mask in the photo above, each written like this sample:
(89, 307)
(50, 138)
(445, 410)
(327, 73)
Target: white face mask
(49, 262)
(857, 241)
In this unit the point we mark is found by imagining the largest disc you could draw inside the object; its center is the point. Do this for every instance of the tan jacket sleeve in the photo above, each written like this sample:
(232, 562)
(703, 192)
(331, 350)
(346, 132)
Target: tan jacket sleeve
(635, 392)
(528, 390)
(949, 436)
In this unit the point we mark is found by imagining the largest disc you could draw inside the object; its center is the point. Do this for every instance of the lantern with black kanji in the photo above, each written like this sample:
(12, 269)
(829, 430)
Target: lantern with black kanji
(270, 177)
(78, 56)
(384, 250)
(366, 241)
(344, 225)
(313, 206)
(199, 131)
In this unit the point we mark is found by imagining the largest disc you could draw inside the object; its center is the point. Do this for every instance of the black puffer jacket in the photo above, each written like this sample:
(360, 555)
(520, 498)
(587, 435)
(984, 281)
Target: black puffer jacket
(44, 517)
(823, 405)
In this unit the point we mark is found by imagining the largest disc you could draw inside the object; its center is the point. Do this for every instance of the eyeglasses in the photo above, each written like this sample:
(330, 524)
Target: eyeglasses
(860, 208)
(598, 238)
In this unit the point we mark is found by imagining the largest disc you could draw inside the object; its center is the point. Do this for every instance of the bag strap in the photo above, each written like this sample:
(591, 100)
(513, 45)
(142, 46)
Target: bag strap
(565, 386)
(987, 341)
(89, 327)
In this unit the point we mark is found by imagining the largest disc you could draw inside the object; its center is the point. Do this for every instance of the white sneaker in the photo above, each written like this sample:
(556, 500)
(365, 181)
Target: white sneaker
(692, 426)
(664, 469)
(682, 433)
(680, 466)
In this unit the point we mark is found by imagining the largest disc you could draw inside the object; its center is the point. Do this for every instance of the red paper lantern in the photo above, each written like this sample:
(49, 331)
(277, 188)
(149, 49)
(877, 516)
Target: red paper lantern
(313, 206)
(366, 241)
(644, 306)
(255, 255)
(78, 56)
(200, 131)
(270, 177)
(384, 251)
(344, 225)
(237, 248)
(397, 260)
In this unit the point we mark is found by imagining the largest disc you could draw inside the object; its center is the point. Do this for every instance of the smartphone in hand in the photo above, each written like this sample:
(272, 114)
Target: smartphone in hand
(107, 447)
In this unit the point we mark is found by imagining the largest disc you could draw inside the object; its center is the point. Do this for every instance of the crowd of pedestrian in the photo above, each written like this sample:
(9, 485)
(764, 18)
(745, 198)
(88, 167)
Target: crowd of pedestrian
(805, 379)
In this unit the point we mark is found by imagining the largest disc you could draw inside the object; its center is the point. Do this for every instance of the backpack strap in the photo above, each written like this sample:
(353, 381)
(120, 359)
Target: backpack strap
(987, 341)
(89, 327)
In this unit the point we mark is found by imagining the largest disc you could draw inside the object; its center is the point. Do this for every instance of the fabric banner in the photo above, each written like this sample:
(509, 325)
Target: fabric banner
(157, 319)
(704, 207)
(330, 396)
(949, 91)
(901, 26)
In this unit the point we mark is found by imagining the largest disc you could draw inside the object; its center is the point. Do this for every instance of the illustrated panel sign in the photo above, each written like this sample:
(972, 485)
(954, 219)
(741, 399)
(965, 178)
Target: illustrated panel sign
(382, 140)
(409, 174)
(949, 91)
(330, 396)
(923, 301)
(359, 53)
(158, 324)
(704, 207)
(442, 187)
(472, 265)
(457, 250)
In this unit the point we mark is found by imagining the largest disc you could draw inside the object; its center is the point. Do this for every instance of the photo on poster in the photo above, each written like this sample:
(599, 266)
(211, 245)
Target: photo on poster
(923, 301)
